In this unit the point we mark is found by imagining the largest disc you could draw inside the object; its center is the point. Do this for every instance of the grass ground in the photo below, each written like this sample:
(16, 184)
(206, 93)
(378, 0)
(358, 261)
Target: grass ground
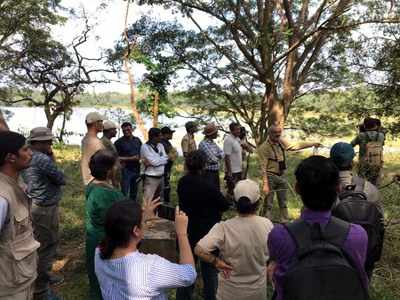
(71, 263)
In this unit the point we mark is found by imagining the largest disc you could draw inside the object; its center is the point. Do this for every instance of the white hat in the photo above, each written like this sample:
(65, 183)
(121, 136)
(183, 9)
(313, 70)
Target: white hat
(107, 124)
(247, 188)
(93, 117)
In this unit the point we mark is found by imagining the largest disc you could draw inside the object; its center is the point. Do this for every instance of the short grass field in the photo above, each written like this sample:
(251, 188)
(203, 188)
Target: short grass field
(71, 262)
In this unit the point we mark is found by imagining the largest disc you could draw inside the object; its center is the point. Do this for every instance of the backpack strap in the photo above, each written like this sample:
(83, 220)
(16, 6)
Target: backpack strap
(304, 234)
(359, 183)
(336, 231)
(300, 232)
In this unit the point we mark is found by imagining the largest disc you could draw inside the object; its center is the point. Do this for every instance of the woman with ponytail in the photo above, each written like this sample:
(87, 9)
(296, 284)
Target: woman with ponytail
(100, 195)
(126, 274)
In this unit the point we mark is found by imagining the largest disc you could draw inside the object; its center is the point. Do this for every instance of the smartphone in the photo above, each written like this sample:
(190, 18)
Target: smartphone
(166, 211)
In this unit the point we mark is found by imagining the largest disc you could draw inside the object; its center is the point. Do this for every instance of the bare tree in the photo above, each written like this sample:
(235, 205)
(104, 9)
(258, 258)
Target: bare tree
(60, 73)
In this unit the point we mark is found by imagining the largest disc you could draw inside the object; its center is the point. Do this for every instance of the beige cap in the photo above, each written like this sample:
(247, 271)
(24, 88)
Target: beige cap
(107, 124)
(247, 188)
(93, 117)
(40, 134)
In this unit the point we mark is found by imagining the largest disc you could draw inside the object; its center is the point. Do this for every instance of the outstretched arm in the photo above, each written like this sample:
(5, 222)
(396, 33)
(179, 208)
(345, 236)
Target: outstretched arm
(299, 146)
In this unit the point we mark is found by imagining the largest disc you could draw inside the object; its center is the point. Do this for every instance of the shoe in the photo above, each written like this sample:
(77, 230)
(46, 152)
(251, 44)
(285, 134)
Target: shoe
(284, 215)
(55, 279)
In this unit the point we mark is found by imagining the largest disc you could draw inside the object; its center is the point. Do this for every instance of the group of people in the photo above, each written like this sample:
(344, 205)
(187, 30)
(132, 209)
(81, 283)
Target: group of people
(328, 253)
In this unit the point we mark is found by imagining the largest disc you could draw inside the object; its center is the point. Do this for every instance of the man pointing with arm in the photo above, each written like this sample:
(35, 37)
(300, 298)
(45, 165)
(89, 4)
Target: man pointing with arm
(272, 155)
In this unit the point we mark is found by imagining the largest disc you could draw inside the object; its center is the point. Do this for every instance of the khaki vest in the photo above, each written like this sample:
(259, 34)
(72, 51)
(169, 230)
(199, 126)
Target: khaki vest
(18, 257)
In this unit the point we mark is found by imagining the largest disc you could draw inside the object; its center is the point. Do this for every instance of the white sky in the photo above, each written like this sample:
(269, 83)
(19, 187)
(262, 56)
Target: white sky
(109, 25)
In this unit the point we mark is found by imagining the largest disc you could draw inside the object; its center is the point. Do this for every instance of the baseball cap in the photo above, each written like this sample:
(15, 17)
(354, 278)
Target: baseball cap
(166, 130)
(40, 134)
(247, 188)
(342, 153)
(107, 124)
(93, 117)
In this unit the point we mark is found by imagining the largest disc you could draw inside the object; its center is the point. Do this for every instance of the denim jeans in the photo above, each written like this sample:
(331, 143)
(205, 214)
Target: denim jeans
(209, 274)
(129, 187)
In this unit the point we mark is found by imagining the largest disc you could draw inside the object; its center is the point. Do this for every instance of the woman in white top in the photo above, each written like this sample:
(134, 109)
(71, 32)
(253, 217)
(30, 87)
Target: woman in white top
(242, 244)
(125, 273)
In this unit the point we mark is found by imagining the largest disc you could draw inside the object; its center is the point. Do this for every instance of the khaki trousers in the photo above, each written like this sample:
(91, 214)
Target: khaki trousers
(152, 187)
(45, 221)
(278, 185)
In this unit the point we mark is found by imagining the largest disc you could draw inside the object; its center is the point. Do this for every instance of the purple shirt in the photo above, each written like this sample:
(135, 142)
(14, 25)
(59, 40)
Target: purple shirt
(282, 247)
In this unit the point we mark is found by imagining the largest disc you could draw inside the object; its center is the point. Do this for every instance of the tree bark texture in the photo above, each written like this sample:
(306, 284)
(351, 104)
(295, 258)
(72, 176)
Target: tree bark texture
(135, 111)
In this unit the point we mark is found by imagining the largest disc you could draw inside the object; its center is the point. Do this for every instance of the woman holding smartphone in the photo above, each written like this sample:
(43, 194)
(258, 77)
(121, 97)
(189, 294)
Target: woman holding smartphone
(125, 273)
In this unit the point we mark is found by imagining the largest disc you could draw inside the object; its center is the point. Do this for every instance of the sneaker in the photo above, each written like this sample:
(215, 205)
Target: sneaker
(55, 279)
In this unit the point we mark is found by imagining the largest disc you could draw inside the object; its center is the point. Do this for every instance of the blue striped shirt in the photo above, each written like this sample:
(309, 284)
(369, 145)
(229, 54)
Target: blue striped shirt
(213, 154)
(140, 276)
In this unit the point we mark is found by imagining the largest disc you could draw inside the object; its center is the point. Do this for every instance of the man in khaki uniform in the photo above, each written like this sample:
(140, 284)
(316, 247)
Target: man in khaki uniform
(18, 257)
(91, 143)
(272, 154)
(188, 143)
(109, 132)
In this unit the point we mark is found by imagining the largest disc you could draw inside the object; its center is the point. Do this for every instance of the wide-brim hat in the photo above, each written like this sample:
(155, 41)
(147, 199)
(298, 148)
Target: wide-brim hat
(40, 134)
(210, 129)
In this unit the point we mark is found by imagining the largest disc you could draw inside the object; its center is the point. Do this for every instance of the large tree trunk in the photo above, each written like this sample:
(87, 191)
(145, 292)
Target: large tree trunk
(50, 121)
(276, 113)
(271, 113)
(50, 116)
(136, 114)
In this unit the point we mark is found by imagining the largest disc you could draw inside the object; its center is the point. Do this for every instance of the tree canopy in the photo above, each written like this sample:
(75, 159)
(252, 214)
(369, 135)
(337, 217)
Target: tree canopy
(22, 24)
(253, 59)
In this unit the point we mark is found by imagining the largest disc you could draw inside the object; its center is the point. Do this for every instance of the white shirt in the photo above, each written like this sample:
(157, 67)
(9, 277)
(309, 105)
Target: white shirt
(139, 276)
(157, 160)
(234, 150)
(3, 211)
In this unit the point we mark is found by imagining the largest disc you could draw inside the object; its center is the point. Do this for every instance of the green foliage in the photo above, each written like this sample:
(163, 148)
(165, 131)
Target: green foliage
(24, 24)
(155, 81)
(237, 53)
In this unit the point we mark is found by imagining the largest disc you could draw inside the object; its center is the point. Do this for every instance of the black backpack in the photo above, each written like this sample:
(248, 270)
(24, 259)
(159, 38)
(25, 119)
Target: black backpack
(321, 270)
(354, 207)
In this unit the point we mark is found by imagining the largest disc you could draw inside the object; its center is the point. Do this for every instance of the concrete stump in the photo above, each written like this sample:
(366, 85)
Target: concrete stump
(160, 239)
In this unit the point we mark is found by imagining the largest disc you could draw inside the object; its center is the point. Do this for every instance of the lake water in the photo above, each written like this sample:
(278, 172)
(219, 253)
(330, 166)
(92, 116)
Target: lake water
(23, 119)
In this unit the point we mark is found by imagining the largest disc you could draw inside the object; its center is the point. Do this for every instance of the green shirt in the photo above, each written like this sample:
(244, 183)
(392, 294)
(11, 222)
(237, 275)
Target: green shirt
(98, 199)
(365, 137)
